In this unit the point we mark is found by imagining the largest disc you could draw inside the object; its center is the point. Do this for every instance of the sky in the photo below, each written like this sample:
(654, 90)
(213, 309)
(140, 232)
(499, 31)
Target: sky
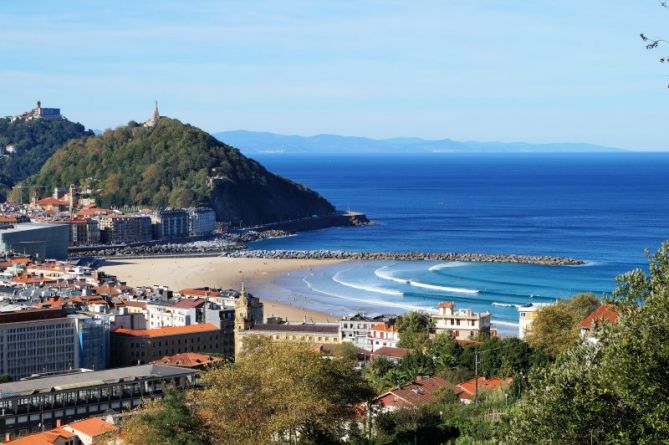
(486, 70)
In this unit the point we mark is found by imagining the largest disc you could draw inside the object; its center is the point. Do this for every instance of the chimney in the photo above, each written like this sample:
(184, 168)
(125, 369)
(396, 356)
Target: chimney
(8, 437)
(57, 423)
(419, 378)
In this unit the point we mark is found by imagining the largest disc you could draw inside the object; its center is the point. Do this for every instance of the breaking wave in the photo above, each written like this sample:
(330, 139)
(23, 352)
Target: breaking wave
(386, 276)
(376, 290)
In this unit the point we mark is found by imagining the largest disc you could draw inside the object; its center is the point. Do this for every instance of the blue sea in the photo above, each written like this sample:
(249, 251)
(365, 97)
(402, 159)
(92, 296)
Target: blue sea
(602, 208)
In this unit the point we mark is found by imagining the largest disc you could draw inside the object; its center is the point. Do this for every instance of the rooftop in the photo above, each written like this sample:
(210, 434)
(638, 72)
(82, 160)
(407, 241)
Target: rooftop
(87, 379)
(24, 227)
(187, 360)
(316, 328)
(92, 427)
(172, 330)
(605, 312)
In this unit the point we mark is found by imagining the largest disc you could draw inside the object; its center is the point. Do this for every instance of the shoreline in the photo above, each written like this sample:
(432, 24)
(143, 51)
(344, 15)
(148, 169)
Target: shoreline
(199, 271)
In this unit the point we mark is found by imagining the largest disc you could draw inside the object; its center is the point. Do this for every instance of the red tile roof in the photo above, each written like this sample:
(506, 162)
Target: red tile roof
(201, 292)
(92, 427)
(416, 394)
(51, 201)
(45, 438)
(387, 351)
(605, 312)
(469, 386)
(446, 304)
(160, 332)
(93, 211)
(187, 360)
(383, 327)
(187, 303)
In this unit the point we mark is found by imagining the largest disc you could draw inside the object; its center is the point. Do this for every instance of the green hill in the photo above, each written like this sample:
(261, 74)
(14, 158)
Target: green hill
(178, 165)
(34, 142)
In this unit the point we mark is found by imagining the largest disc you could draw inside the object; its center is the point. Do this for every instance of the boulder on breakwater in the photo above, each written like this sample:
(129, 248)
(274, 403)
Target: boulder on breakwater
(403, 256)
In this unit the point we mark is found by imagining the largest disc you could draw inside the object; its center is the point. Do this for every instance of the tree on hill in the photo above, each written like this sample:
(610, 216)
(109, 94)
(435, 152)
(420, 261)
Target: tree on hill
(611, 391)
(178, 165)
(556, 327)
(34, 142)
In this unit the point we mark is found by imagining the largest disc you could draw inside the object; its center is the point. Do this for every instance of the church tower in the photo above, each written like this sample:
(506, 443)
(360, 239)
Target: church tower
(243, 320)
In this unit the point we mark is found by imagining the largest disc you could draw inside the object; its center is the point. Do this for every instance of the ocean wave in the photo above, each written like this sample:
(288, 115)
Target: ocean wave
(505, 323)
(377, 290)
(386, 276)
(370, 301)
(494, 303)
(447, 265)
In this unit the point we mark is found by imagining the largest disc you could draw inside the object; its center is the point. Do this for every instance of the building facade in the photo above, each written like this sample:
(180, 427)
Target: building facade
(201, 221)
(526, 316)
(382, 335)
(37, 342)
(312, 334)
(134, 346)
(170, 224)
(32, 405)
(357, 328)
(462, 324)
(37, 240)
(84, 232)
(124, 229)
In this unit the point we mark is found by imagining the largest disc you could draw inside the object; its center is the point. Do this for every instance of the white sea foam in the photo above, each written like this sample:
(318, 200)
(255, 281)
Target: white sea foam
(505, 323)
(386, 276)
(447, 265)
(370, 301)
(505, 304)
(377, 290)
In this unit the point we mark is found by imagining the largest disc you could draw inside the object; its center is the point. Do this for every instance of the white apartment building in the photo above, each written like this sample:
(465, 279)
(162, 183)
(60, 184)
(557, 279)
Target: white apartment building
(526, 316)
(160, 315)
(201, 221)
(357, 328)
(462, 324)
(381, 335)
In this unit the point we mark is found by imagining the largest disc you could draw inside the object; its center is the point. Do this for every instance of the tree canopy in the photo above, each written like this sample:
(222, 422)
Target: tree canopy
(34, 142)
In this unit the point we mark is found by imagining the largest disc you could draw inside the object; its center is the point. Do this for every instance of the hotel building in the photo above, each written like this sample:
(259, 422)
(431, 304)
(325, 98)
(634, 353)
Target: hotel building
(462, 324)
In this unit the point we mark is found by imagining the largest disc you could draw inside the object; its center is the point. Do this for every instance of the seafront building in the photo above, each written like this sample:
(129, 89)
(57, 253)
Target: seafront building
(309, 333)
(125, 229)
(84, 232)
(463, 324)
(33, 405)
(170, 224)
(201, 221)
(383, 335)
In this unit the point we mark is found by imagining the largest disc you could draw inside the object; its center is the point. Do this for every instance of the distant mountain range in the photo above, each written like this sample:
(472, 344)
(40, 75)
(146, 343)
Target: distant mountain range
(261, 142)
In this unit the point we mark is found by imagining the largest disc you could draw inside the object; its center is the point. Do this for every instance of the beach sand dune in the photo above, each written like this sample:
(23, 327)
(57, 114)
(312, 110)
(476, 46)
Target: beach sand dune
(180, 273)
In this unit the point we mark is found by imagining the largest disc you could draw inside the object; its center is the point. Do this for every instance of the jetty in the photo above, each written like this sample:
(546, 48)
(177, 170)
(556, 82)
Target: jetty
(403, 256)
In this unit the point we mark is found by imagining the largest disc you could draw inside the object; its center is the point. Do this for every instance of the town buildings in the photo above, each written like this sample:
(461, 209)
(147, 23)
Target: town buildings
(33, 405)
(470, 390)
(357, 328)
(191, 360)
(462, 324)
(135, 346)
(308, 333)
(36, 240)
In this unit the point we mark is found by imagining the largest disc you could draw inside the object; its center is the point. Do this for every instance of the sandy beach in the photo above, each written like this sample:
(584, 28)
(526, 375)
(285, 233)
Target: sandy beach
(180, 273)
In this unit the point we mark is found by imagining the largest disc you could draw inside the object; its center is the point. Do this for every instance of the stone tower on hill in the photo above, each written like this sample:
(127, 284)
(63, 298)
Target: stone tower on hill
(154, 119)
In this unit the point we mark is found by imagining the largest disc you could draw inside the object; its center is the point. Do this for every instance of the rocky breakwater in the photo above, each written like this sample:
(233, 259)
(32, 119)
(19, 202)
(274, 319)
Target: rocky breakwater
(403, 256)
